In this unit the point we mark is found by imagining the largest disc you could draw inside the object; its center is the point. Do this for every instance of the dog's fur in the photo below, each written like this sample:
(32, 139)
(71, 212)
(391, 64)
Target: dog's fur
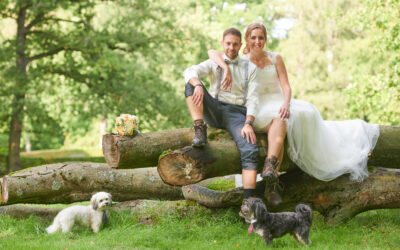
(91, 215)
(274, 225)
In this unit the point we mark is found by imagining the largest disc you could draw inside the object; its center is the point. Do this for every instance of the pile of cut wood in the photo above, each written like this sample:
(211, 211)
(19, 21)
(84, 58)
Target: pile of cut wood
(162, 166)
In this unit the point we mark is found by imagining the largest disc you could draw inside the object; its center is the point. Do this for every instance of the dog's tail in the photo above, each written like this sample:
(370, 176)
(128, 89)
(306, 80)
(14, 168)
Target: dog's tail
(305, 211)
(52, 229)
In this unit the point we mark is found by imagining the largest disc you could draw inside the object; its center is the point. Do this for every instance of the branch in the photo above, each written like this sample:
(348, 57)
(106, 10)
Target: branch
(63, 20)
(35, 21)
(49, 53)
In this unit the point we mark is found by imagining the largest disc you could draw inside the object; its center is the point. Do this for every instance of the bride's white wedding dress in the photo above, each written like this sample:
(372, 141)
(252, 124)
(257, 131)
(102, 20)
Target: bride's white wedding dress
(323, 149)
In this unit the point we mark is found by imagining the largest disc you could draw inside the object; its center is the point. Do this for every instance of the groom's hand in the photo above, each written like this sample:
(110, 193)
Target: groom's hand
(198, 95)
(198, 92)
(248, 132)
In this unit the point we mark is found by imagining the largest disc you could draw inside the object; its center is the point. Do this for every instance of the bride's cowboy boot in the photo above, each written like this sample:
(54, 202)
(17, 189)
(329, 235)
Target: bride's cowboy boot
(270, 175)
(270, 172)
(200, 134)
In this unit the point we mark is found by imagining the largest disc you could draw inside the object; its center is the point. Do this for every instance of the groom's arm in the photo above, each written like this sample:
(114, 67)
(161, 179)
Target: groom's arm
(252, 106)
(192, 75)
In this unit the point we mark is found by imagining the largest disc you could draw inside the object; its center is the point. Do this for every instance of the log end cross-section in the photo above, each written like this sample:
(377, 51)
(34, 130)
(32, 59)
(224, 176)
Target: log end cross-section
(184, 166)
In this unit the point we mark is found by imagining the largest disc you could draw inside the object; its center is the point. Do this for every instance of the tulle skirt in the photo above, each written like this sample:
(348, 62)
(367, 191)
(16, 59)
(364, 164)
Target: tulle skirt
(324, 149)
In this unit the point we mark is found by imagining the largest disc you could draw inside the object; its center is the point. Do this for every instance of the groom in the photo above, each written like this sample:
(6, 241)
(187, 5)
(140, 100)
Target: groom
(227, 108)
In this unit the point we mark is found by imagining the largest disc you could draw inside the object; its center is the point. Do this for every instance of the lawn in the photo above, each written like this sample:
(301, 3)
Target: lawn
(211, 229)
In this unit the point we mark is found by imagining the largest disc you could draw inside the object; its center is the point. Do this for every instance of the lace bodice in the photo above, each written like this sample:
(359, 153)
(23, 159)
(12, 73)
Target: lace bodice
(267, 77)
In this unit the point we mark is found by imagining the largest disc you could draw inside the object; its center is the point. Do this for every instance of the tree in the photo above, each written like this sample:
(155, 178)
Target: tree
(76, 61)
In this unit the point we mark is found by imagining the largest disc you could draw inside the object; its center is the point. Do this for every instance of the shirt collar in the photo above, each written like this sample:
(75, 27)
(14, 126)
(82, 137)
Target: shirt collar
(234, 61)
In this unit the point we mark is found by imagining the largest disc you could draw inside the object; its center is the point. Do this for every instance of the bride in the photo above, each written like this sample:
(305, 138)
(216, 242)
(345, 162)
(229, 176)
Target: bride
(323, 149)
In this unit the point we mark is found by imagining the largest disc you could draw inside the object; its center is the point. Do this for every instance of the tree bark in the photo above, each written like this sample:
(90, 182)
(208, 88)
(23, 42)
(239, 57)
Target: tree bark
(14, 159)
(77, 181)
(145, 209)
(220, 157)
(144, 149)
(338, 200)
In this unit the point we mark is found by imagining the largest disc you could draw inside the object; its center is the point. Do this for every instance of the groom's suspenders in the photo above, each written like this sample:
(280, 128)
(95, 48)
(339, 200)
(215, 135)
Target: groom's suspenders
(246, 81)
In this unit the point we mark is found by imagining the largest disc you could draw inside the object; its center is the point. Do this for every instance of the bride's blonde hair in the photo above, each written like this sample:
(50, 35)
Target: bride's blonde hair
(249, 29)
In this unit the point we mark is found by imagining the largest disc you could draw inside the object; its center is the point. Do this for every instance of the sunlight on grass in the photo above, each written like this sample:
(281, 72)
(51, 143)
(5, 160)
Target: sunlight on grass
(64, 153)
(211, 229)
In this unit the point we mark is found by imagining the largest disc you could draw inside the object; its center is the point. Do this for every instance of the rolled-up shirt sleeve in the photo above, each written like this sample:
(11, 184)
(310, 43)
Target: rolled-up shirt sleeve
(252, 96)
(199, 70)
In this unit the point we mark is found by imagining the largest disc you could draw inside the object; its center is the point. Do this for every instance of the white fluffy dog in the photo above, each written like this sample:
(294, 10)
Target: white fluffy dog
(91, 215)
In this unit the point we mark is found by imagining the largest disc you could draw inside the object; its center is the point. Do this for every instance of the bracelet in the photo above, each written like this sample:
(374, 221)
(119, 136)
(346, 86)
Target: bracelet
(249, 122)
(198, 85)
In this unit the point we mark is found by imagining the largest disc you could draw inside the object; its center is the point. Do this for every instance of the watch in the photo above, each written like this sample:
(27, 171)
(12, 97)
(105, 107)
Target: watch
(249, 122)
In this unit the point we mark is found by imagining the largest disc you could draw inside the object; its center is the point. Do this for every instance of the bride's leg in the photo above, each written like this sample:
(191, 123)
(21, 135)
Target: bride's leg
(276, 132)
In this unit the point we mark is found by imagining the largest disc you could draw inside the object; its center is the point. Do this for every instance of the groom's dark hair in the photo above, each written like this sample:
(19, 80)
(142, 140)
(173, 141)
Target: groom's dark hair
(232, 31)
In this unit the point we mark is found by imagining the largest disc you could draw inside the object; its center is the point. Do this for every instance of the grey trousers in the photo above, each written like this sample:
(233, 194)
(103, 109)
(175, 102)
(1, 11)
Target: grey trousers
(230, 117)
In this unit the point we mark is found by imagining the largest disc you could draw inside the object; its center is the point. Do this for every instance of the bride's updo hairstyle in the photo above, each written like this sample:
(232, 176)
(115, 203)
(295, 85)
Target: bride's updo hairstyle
(249, 29)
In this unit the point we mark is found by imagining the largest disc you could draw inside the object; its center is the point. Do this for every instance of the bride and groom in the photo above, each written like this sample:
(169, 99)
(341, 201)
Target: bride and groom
(252, 93)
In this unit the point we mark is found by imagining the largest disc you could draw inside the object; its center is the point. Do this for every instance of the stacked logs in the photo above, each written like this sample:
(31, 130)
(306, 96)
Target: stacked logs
(130, 173)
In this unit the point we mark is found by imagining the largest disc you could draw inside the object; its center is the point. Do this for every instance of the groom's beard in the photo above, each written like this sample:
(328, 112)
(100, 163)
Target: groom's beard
(232, 55)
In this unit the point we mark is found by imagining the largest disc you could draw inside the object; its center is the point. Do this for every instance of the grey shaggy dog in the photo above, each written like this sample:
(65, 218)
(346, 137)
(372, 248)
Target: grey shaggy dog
(275, 225)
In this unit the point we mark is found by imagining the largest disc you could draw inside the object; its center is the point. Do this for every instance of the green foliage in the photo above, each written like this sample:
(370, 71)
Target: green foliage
(93, 60)
(216, 229)
(375, 94)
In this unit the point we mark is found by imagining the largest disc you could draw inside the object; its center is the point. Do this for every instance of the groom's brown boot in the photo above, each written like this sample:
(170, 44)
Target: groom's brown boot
(200, 134)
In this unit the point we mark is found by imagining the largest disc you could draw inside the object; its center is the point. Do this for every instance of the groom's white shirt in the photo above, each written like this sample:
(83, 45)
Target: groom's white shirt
(236, 95)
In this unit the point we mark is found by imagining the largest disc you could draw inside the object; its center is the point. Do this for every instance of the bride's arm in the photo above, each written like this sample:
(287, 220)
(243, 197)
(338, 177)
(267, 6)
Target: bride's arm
(284, 111)
(216, 56)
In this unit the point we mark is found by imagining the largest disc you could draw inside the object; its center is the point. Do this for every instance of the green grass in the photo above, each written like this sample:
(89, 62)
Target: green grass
(214, 229)
(49, 156)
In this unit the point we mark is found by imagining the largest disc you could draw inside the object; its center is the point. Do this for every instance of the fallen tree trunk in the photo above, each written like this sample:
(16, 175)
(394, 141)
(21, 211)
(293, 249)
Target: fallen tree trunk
(20, 212)
(77, 181)
(144, 209)
(338, 200)
(144, 149)
(220, 157)
(342, 199)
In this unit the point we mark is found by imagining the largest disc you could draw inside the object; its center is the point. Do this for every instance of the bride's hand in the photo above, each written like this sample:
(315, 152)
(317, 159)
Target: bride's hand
(284, 111)
(227, 79)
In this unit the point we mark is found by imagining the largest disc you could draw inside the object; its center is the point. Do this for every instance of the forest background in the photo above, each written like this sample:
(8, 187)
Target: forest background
(69, 68)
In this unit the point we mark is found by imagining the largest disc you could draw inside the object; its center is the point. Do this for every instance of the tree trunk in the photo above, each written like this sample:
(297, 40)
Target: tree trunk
(220, 157)
(14, 159)
(77, 181)
(19, 212)
(338, 200)
(145, 209)
(144, 149)
(341, 199)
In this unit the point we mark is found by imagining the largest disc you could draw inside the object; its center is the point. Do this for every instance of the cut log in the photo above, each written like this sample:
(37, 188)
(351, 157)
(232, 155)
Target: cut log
(20, 212)
(220, 157)
(144, 209)
(338, 200)
(144, 149)
(77, 181)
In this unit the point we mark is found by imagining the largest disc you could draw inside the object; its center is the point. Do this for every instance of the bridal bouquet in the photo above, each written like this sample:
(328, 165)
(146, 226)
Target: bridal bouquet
(127, 125)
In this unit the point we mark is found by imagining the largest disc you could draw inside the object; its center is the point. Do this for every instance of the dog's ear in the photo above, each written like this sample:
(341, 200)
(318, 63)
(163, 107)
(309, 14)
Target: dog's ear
(260, 210)
(94, 203)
